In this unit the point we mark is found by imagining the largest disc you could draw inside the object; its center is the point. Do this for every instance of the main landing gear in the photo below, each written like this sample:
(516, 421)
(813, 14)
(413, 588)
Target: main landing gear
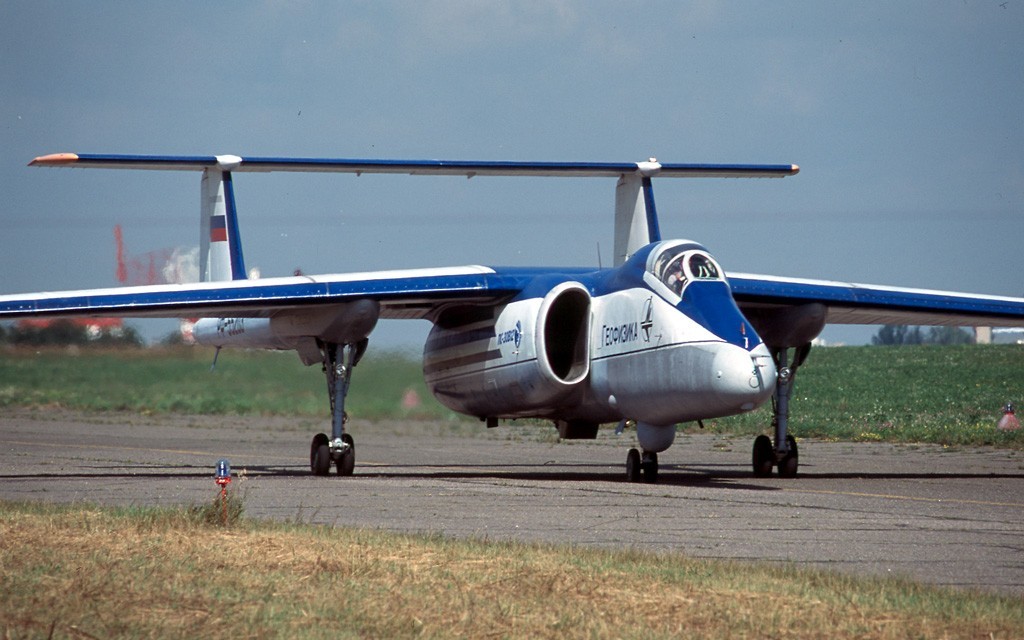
(340, 448)
(783, 454)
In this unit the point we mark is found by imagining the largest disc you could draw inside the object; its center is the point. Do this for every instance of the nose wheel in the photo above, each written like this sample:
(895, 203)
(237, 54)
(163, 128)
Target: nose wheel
(641, 467)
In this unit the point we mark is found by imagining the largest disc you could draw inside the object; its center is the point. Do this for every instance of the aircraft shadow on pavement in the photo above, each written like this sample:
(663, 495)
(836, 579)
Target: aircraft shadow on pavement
(578, 473)
(726, 476)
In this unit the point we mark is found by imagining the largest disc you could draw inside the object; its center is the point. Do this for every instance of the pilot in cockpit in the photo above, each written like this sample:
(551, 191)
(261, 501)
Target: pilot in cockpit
(678, 269)
(674, 276)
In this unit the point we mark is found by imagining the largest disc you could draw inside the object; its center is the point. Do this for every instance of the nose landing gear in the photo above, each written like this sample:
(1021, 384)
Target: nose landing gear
(783, 453)
(641, 467)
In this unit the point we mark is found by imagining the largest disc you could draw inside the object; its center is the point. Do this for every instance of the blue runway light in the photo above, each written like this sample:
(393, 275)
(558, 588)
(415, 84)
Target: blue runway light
(223, 471)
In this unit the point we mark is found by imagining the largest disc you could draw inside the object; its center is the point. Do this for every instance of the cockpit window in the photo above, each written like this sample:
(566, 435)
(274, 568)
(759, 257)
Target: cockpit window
(680, 265)
(702, 268)
(673, 274)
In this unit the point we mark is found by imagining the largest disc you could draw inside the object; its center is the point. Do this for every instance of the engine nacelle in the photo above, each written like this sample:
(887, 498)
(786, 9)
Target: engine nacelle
(527, 358)
(244, 333)
(345, 323)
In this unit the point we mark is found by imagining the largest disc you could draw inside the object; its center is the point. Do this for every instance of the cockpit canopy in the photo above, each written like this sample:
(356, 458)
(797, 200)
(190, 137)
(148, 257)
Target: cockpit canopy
(679, 264)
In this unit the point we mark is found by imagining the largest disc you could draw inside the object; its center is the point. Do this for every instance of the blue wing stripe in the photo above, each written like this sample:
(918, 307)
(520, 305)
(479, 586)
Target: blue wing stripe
(185, 162)
(255, 296)
(436, 167)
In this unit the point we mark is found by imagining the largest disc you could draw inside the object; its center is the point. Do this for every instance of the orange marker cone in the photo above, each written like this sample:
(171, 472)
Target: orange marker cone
(1009, 421)
(410, 400)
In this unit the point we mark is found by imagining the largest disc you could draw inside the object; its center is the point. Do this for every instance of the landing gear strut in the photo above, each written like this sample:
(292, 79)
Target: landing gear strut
(783, 454)
(340, 448)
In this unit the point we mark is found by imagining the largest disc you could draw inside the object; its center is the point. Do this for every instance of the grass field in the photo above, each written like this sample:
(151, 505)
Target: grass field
(84, 572)
(937, 394)
(940, 394)
(180, 380)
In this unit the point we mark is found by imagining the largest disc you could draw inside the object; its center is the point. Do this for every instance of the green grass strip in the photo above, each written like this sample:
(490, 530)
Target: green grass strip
(951, 395)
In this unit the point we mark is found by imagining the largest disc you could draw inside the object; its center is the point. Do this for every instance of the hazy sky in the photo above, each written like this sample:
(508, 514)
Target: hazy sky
(907, 119)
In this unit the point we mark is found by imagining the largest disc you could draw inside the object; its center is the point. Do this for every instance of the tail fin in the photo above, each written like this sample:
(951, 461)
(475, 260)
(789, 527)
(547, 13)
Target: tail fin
(636, 219)
(220, 246)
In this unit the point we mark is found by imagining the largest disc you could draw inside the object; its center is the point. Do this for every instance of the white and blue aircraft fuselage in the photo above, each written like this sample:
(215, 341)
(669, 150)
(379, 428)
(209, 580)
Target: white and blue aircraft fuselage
(658, 340)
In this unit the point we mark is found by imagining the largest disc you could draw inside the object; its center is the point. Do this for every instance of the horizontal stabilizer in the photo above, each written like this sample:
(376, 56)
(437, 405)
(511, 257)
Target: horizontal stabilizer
(416, 167)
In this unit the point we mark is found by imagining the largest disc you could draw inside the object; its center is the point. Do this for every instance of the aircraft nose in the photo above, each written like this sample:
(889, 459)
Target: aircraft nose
(743, 379)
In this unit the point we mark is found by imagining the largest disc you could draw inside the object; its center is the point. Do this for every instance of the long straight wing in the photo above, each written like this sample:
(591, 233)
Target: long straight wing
(850, 303)
(404, 294)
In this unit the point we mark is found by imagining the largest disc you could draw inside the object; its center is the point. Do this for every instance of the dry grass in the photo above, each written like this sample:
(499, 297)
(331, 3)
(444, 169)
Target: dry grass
(85, 572)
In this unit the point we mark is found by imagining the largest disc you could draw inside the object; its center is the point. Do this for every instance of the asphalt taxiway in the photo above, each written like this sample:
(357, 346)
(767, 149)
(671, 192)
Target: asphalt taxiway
(944, 516)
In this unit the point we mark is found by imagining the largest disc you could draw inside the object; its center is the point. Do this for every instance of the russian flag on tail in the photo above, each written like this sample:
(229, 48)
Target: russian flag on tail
(218, 229)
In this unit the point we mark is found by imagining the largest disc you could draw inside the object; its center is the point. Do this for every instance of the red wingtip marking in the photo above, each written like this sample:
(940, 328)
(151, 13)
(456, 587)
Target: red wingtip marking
(55, 159)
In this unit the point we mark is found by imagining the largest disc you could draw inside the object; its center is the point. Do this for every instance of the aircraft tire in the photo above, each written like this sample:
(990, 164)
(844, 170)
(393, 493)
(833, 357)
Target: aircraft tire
(633, 466)
(320, 455)
(789, 464)
(763, 456)
(347, 461)
(650, 468)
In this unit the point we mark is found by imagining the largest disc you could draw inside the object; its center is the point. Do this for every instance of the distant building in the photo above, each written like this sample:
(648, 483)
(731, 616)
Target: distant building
(1007, 336)
(94, 327)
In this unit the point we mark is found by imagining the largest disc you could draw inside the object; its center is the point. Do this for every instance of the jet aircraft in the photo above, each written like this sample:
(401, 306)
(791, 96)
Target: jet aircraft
(664, 336)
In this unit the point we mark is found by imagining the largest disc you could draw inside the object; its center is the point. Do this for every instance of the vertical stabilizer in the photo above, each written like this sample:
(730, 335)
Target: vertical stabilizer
(636, 219)
(220, 247)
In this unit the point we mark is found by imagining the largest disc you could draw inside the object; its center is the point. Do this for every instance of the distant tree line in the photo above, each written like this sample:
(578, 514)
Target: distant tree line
(900, 334)
(64, 333)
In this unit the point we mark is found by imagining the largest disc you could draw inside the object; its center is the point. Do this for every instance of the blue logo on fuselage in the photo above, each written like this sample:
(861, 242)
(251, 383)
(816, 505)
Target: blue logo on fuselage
(512, 335)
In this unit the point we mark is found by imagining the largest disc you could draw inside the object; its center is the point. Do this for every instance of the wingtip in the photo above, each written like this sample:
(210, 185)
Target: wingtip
(54, 159)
